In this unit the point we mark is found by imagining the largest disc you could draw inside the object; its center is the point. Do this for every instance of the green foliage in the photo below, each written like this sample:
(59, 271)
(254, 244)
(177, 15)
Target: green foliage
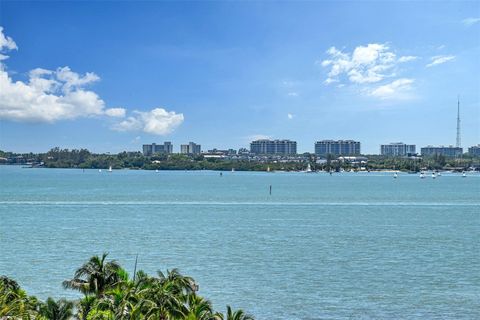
(109, 293)
(84, 159)
(437, 162)
(14, 302)
(56, 310)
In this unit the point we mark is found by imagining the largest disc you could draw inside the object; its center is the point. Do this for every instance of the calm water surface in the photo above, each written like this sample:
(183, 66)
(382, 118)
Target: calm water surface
(346, 246)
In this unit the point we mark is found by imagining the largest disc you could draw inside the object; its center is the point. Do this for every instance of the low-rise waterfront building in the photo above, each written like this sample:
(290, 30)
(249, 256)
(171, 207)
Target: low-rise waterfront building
(243, 151)
(397, 149)
(280, 147)
(150, 149)
(337, 147)
(449, 151)
(474, 150)
(190, 148)
(227, 152)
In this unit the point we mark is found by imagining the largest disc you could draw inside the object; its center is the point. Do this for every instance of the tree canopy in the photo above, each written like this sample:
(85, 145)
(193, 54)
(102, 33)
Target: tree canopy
(110, 293)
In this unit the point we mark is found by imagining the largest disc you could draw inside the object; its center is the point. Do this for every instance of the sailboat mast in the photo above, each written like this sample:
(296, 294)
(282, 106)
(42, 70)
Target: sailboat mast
(459, 141)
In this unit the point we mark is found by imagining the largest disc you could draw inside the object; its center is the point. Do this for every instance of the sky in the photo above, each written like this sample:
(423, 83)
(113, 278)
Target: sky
(110, 76)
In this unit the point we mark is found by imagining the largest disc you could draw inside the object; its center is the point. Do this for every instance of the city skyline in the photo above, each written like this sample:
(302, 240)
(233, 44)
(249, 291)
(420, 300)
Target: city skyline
(224, 74)
(320, 147)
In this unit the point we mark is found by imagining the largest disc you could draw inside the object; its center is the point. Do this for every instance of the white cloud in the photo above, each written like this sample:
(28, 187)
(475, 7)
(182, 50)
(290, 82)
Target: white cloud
(47, 97)
(157, 121)
(115, 112)
(436, 60)
(470, 21)
(54, 95)
(330, 80)
(366, 64)
(6, 42)
(407, 59)
(289, 116)
(395, 89)
(292, 94)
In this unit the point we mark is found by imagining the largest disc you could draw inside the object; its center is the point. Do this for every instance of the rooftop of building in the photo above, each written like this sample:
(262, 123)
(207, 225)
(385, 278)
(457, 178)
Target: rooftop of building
(338, 141)
(270, 140)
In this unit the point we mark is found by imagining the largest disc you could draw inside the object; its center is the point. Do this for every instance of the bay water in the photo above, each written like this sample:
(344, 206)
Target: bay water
(320, 246)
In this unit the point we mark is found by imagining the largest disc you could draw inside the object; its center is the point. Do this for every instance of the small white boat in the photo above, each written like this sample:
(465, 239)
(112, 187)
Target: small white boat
(464, 175)
(422, 175)
(110, 169)
(395, 175)
(433, 175)
(268, 169)
(233, 169)
(99, 170)
(309, 168)
(156, 170)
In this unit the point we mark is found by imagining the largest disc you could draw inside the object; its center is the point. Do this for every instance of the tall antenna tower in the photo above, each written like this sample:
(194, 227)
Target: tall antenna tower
(459, 140)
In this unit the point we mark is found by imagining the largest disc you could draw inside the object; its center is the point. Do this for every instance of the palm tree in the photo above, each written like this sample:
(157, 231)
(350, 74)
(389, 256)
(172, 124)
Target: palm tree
(95, 276)
(14, 302)
(122, 302)
(199, 308)
(180, 283)
(235, 315)
(84, 306)
(161, 302)
(165, 296)
(7, 284)
(56, 310)
(111, 295)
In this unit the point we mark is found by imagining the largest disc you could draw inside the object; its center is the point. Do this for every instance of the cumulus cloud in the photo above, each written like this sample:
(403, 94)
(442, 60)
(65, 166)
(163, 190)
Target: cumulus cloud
(289, 116)
(395, 89)
(436, 60)
(6, 43)
(54, 95)
(157, 121)
(470, 21)
(292, 94)
(366, 64)
(49, 96)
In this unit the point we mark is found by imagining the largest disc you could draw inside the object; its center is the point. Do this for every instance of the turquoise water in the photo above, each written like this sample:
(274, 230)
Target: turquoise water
(351, 245)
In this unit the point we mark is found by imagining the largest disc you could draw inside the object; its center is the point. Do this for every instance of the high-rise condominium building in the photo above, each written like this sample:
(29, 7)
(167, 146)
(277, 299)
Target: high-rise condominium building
(149, 149)
(279, 147)
(449, 151)
(474, 150)
(337, 147)
(190, 148)
(397, 149)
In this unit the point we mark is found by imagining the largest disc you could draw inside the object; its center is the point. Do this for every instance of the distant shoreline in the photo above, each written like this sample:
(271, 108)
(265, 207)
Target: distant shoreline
(307, 162)
(387, 170)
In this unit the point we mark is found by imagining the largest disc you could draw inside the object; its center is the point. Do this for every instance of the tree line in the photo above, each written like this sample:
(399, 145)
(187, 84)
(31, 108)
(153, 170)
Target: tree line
(108, 293)
(84, 159)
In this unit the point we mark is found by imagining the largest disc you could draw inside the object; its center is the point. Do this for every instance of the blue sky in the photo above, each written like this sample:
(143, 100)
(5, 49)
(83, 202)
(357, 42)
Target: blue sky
(110, 76)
